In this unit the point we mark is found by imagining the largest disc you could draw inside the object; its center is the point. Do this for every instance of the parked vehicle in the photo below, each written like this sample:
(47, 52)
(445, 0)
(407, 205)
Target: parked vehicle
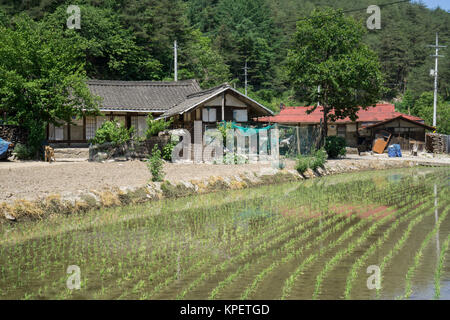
(6, 149)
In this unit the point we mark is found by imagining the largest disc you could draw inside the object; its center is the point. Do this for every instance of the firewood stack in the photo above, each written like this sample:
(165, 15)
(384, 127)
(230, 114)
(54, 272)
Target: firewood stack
(436, 143)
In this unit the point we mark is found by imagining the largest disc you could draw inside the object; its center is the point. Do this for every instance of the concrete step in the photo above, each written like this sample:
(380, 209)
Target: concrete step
(71, 153)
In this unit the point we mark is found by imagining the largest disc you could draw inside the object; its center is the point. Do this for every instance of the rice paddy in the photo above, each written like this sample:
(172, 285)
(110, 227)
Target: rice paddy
(314, 239)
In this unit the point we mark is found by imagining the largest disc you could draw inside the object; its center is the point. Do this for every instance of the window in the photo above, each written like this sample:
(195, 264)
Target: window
(100, 121)
(240, 115)
(209, 115)
(90, 127)
(140, 125)
(77, 130)
(341, 130)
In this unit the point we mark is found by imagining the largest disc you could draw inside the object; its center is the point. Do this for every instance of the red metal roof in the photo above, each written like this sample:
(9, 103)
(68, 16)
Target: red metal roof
(381, 112)
(401, 116)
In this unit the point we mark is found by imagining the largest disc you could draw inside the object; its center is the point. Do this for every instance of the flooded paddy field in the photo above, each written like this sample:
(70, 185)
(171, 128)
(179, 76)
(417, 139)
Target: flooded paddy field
(368, 235)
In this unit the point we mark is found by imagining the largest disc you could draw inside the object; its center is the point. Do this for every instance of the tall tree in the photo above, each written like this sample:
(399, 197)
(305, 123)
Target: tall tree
(199, 60)
(42, 78)
(423, 108)
(156, 24)
(328, 51)
(111, 51)
(246, 32)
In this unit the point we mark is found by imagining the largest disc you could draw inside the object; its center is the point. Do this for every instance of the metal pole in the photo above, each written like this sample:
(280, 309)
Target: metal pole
(435, 81)
(245, 73)
(435, 73)
(175, 48)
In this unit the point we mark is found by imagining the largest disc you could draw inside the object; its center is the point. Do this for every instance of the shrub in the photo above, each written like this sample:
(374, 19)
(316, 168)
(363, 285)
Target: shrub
(113, 132)
(335, 146)
(155, 164)
(319, 158)
(23, 152)
(156, 126)
(167, 150)
(302, 163)
(315, 160)
(223, 127)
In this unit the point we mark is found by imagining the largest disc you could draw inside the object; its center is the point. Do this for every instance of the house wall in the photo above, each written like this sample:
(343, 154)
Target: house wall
(84, 128)
(404, 133)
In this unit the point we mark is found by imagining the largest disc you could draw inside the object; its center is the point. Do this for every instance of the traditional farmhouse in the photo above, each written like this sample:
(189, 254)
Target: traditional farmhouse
(131, 101)
(405, 129)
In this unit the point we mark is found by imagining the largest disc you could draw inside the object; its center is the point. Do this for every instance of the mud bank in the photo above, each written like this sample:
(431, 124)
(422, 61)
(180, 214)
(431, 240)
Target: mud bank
(69, 203)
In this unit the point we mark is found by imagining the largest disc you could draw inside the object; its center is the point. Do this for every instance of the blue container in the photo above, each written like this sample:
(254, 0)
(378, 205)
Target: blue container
(392, 153)
(398, 150)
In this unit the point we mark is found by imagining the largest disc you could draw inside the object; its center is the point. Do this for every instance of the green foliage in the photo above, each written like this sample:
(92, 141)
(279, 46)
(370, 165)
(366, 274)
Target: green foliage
(42, 78)
(320, 157)
(167, 150)
(245, 31)
(223, 127)
(302, 163)
(156, 126)
(109, 48)
(406, 104)
(313, 161)
(113, 132)
(328, 52)
(203, 62)
(22, 152)
(133, 40)
(335, 146)
(423, 108)
(155, 164)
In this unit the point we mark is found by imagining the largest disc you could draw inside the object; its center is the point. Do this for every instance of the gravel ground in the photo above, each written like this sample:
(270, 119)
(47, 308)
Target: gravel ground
(32, 179)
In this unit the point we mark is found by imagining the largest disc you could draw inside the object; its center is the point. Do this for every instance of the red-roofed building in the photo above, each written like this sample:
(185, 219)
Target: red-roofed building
(364, 128)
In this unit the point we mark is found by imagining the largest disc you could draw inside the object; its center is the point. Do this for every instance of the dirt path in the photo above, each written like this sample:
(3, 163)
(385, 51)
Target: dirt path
(29, 180)
(32, 179)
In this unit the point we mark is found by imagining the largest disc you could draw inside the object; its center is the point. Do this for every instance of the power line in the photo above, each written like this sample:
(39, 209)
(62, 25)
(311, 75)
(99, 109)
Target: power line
(350, 10)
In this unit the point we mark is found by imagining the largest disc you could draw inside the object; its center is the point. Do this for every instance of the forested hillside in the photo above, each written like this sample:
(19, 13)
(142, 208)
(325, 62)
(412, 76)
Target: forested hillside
(133, 40)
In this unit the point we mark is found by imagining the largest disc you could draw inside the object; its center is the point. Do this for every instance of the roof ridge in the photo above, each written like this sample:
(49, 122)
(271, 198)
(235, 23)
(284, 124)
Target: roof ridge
(141, 82)
(200, 93)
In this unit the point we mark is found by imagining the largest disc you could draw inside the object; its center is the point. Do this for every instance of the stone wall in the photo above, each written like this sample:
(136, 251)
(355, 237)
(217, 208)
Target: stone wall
(127, 151)
(14, 134)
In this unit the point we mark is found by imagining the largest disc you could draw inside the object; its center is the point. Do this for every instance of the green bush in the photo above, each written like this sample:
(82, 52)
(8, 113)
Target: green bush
(319, 158)
(167, 150)
(155, 164)
(156, 126)
(23, 152)
(313, 161)
(335, 146)
(114, 132)
(302, 163)
(223, 127)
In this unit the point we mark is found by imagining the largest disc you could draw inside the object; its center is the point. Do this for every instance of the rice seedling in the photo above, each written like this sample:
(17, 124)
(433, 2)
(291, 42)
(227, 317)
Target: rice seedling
(440, 265)
(227, 244)
(371, 250)
(419, 254)
(346, 251)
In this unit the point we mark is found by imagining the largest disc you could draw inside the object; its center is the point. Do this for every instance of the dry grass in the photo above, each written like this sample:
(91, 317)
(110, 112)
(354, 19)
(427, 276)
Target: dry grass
(109, 199)
(25, 208)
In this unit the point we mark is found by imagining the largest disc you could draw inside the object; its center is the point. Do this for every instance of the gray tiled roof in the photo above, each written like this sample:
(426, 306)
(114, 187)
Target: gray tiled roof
(194, 99)
(142, 95)
(197, 98)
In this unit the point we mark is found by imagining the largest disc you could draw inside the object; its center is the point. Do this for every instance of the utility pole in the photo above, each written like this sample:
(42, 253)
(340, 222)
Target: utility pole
(435, 73)
(318, 92)
(246, 74)
(175, 63)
